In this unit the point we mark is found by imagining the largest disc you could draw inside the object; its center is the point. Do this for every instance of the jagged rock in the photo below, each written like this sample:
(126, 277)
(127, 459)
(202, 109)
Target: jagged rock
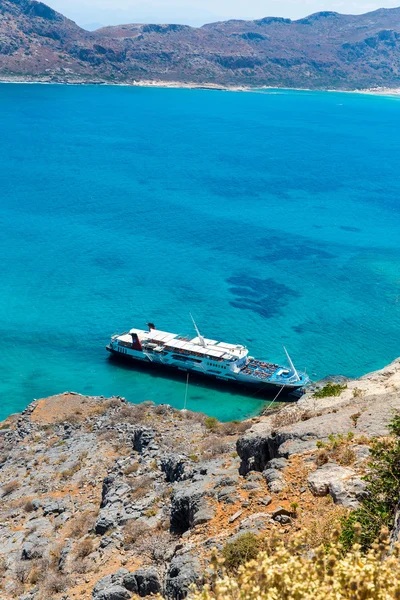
(129, 581)
(147, 582)
(257, 521)
(278, 512)
(115, 592)
(103, 524)
(142, 438)
(32, 548)
(277, 463)
(108, 483)
(274, 479)
(64, 555)
(183, 571)
(283, 519)
(228, 495)
(111, 587)
(174, 467)
(53, 508)
(190, 507)
(321, 481)
(340, 482)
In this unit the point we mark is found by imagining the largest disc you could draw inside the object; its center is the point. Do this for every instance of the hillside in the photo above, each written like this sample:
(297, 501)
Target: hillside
(324, 50)
(106, 500)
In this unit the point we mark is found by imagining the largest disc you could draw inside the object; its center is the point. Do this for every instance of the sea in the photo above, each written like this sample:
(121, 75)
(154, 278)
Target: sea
(272, 216)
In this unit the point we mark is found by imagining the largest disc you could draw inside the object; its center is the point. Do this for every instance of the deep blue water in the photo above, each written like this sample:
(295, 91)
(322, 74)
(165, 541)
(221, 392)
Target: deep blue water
(273, 217)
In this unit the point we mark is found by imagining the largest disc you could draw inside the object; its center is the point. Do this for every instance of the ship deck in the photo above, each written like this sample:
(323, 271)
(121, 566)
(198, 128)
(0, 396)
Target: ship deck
(259, 369)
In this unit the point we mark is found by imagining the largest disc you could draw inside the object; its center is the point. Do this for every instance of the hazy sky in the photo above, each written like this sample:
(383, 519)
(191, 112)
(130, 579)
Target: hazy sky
(198, 12)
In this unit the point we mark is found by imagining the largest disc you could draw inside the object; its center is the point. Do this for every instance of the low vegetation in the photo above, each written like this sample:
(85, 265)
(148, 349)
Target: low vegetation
(379, 506)
(287, 572)
(330, 389)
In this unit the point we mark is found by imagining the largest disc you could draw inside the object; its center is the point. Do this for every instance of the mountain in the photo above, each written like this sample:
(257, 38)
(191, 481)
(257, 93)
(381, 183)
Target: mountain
(323, 50)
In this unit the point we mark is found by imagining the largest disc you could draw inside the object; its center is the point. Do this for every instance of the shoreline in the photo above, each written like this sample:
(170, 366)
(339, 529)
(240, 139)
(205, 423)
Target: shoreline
(373, 91)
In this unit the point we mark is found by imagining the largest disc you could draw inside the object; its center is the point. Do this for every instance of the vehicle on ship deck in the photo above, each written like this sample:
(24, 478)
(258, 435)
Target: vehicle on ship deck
(205, 357)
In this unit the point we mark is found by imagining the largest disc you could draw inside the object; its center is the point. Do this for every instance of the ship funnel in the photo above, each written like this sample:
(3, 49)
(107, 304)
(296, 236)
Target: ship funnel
(292, 367)
(201, 339)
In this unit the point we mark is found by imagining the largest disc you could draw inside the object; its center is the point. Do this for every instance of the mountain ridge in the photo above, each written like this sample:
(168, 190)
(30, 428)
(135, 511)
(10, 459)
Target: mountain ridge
(323, 50)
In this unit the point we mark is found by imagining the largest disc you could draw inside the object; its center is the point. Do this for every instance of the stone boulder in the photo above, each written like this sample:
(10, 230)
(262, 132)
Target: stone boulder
(32, 548)
(142, 438)
(340, 482)
(183, 571)
(190, 506)
(175, 467)
(148, 582)
(111, 587)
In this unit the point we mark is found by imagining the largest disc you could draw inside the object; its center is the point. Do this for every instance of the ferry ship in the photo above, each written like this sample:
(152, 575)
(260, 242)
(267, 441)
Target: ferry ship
(224, 362)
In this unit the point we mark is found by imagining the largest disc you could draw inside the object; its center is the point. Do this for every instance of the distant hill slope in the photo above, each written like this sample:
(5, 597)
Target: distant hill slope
(324, 50)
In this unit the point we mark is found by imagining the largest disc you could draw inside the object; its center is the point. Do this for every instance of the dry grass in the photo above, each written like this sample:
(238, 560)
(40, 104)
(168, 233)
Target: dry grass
(134, 533)
(326, 517)
(140, 486)
(82, 524)
(84, 548)
(9, 488)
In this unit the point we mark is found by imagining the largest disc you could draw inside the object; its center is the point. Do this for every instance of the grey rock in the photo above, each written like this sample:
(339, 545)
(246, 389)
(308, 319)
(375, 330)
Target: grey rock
(103, 524)
(64, 555)
(235, 516)
(142, 438)
(53, 508)
(183, 571)
(174, 467)
(111, 584)
(251, 486)
(115, 592)
(274, 479)
(130, 583)
(283, 519)
(108, 484)
(278, 512)
(228, 495)
(257, 521)
(277, 463)
(190, 506)
(321, 481)
(265, 501)
(32, 548)
(147, 581)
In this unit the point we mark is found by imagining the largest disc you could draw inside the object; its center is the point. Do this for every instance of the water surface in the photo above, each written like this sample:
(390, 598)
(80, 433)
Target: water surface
(273, 217)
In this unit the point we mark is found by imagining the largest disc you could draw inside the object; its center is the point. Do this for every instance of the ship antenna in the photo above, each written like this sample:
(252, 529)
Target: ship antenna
(201, 339)
(292, 367)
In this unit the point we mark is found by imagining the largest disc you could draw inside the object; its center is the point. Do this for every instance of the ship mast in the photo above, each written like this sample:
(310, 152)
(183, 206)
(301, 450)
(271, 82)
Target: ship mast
(201, 339)
(292, 367)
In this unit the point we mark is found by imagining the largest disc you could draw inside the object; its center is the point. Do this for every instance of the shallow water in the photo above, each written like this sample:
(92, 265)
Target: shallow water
(273, 217)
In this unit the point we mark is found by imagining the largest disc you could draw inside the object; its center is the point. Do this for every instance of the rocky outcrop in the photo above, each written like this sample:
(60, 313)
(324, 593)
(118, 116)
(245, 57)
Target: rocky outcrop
(190, 506)
(184, 571)
(365, 408)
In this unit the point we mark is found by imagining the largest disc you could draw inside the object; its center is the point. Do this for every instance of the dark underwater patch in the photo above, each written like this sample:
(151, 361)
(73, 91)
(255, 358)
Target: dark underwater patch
(275, 248)
(109, 262)
(351, 229)
(266, 297)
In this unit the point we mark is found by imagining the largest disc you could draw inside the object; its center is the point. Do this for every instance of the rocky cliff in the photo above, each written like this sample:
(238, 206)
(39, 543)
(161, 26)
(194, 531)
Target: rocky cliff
(106, 500)
(324, 50)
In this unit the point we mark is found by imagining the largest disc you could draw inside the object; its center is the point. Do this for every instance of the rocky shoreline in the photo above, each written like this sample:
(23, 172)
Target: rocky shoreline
(107, 500)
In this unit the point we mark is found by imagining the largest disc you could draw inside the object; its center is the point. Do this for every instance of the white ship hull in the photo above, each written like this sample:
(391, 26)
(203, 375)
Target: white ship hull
(218, 361)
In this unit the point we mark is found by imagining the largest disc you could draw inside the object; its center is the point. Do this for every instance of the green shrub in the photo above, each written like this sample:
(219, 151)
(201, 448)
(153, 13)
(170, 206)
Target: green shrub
(246, 547)
(330, 389)
(382, 494)
(211, 423)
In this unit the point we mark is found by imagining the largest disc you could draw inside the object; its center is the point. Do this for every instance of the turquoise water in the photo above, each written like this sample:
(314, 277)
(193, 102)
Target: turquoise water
(273, 217)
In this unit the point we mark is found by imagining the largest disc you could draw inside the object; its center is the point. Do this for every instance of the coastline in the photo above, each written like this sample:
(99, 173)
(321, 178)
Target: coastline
(374, 91)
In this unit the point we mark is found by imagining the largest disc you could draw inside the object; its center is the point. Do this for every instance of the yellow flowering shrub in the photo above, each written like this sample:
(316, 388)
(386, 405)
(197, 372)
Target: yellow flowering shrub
(291, 573)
